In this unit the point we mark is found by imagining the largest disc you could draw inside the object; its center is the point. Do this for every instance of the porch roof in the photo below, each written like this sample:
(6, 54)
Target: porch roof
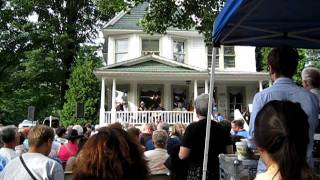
(152, 67)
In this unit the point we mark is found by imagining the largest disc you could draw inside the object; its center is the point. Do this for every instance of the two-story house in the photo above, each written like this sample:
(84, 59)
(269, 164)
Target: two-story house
(169, 71)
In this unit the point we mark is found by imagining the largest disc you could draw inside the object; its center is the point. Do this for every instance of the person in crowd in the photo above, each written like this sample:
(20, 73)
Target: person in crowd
(176, 166)
(20, 147)
(172, 141)
(282, 64)
(79, 129)
(10, 137)
(72, 160)
(60, 135)
(113, 155)
(157, 157)
(283, 149)
(134, 133)
(219, 117)
(237, 128)
(146, 135)
(311, 80)
(180, 107)
(193, 143)
(71, 148)
(120, 107)
(35, 164)
(142, 107)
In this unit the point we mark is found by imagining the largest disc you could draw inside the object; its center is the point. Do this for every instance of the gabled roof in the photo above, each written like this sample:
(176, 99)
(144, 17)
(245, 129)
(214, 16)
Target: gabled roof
(151, 63)
(129, 20)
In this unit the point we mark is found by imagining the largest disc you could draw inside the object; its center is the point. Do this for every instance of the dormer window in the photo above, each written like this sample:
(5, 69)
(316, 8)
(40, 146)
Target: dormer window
(150, 46)
(121, 52)
(178, 51)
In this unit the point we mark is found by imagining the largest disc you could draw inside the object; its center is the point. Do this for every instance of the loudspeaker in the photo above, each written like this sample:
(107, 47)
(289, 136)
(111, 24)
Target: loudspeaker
(79, 110)
(31, 113)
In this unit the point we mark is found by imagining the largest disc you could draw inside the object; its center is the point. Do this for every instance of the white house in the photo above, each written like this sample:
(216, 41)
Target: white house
(169, 69)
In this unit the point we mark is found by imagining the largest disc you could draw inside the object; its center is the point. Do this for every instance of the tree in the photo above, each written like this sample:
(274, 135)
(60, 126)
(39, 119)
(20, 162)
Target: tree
(182, 14)
(83, 87)
(36, 31)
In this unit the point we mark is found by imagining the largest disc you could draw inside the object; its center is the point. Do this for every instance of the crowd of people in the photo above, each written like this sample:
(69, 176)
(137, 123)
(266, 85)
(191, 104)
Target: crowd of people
(282, 124)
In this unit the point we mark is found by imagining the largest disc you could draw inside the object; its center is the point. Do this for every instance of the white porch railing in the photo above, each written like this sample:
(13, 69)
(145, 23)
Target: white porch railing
(142, 117)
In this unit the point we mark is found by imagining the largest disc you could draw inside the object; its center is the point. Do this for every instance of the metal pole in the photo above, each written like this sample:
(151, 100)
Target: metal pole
(206, 147)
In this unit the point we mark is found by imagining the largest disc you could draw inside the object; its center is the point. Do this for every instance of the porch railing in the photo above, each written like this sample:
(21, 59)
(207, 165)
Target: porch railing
(142, 117)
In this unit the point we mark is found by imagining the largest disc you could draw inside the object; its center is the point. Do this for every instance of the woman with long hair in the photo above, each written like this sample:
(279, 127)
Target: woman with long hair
(111, 154)
(282, 136)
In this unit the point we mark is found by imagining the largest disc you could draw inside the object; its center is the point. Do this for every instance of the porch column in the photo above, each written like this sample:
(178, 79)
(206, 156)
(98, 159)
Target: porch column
(134, 96)
(195, 94)
(102, 117)
(195, 90)
(113, 104)
(260, 86)
(270, 83)
(167, 100)
(206, 91)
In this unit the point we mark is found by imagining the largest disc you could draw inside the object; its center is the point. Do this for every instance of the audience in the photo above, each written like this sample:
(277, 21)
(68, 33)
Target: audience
(113, 155)
(282, 136)
(35, 164)
(159, 155)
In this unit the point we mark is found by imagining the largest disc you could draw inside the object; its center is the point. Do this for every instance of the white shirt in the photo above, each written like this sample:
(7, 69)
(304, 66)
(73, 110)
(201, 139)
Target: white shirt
(8, 154)
(156, 159)
(40, 166)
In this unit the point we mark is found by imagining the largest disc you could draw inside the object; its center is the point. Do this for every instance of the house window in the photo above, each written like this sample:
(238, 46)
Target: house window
(229, 57)
(121, 50)
(178, 51)
(150, 47)
(210, 57)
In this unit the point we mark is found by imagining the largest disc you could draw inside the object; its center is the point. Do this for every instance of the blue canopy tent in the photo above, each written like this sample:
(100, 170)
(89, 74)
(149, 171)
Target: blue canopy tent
(263, 23)
(269, 23)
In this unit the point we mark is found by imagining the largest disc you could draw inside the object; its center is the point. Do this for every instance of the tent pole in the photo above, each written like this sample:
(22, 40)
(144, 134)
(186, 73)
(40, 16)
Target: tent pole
(207, 140)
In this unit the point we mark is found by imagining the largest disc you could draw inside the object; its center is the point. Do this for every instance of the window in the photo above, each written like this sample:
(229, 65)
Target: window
(210, 57)
(229, 57)
(150, 47)
(178, 51)
(121, 50)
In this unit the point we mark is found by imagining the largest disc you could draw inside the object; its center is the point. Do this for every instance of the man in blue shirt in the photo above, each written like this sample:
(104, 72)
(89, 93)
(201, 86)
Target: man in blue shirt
(282, 64)
(237, 128)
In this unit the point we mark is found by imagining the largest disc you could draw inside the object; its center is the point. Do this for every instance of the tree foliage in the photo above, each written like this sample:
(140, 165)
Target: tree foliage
(182, 14)
(83, 87)
(39, 41)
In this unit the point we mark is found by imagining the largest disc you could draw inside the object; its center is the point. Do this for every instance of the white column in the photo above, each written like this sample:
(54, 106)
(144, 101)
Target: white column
(102, 101)
(260, 86)
(195, 94)
(134, 96)
(166, 99)
(113, 105)
(195, 89)
(270, 83)
(206, 87)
